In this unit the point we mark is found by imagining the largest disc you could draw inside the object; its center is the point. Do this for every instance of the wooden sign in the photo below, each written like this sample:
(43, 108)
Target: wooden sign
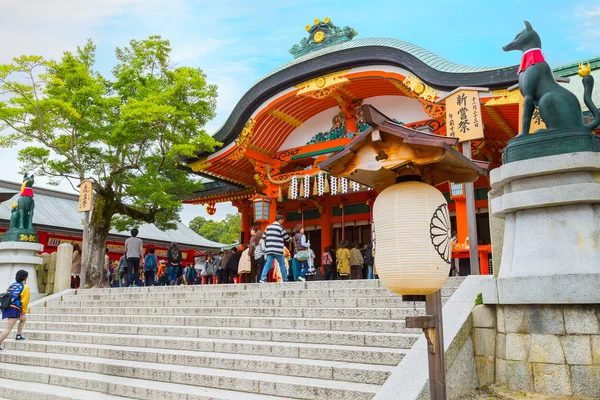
(536, 119)
(86, 194)
(463, 115)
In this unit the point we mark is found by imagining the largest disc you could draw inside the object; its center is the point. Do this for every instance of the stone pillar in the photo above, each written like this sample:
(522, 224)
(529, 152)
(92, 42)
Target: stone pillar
(546, 294)
(496, 233)
(551, 209)
(62, 276)
(15, 256)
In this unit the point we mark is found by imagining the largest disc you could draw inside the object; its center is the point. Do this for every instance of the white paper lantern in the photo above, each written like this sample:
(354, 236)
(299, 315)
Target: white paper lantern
(412, 227)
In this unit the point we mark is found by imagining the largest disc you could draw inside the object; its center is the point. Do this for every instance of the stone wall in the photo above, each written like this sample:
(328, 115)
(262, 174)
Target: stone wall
(546, 349)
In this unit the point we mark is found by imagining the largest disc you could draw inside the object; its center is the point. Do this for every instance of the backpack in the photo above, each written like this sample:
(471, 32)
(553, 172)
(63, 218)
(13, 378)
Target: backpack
(5, 300)
(151, 262)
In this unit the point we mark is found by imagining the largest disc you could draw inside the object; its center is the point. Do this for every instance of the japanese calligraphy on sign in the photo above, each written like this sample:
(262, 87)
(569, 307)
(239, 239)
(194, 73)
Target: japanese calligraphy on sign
(536, 119)
(463, 115)
(86, 193)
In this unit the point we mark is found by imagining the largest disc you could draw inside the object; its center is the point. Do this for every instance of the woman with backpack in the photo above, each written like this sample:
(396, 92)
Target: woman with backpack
(150, 267)
(174, 263)
(123, 267)
(17, 307)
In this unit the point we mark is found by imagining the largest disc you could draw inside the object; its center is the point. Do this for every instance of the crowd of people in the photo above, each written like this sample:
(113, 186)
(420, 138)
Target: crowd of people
(269, 256)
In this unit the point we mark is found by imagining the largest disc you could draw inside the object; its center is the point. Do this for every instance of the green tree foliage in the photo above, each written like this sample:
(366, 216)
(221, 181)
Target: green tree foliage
(125, 133)
(226, 231)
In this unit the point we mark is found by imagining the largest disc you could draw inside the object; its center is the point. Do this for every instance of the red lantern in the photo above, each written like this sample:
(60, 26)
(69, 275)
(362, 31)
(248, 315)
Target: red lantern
(211, 209)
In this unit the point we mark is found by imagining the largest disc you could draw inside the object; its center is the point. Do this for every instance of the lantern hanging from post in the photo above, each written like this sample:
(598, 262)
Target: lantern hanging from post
(262, 206)
(415, 260)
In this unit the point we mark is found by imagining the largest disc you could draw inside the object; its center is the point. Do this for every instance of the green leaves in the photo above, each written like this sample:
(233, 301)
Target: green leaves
(226, 231)
(125, 132)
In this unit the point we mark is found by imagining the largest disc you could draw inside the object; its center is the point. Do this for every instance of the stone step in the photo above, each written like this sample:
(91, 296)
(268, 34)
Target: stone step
(358, 325)
(374, 302)
(15, 390)
(348, 338)
(71, 367)
(358, 354)
(197, 293)
(277, 312)
(362, 283)
(453, 282)
(53, 384)
(188, 293)
(319, 369)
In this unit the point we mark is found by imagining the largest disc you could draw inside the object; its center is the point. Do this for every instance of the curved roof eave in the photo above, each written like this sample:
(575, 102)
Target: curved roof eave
(358, 53)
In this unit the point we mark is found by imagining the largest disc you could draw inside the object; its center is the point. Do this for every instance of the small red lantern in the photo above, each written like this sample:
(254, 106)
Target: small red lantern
(211, 209)
(262, 205)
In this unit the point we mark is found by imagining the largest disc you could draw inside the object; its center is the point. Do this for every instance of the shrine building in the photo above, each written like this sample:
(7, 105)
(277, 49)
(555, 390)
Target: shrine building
(308, 109)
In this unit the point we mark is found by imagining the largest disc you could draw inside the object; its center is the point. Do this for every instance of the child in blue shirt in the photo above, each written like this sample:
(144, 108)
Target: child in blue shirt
(19, 304)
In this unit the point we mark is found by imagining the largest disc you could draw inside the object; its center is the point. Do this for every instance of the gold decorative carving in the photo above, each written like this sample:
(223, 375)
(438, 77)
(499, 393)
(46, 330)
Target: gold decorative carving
(287, 118)
(432, 109)
(323, 86)
(504, 97)
(242, 142)
(200, 165)
(419, 88)
(319, 36)
(247, 132)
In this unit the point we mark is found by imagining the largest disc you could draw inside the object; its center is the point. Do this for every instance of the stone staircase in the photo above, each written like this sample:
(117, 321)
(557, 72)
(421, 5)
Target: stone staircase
(315, 340)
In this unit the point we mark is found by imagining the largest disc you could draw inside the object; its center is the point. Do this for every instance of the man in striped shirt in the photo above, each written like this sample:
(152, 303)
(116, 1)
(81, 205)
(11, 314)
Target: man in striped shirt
(275, 237)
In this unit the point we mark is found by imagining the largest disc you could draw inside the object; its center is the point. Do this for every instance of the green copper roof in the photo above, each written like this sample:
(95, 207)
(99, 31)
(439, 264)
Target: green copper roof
(573, 68)
(423, 55)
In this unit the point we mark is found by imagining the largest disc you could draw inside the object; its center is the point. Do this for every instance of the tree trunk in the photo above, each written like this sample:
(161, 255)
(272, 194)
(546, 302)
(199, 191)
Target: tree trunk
(99, 226)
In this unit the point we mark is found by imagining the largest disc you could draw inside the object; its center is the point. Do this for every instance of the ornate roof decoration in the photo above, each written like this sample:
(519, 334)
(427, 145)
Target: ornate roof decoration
(322, 34)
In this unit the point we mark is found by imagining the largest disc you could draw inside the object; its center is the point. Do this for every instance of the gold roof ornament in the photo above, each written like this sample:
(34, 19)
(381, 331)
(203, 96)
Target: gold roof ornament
(584, 70)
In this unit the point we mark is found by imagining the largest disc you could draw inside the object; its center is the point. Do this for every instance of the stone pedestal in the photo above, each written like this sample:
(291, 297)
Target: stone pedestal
(19, 255)
(551, 209)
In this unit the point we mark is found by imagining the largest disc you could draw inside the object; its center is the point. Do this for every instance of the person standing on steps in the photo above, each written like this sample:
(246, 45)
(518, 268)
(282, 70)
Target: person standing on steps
(369, 260)
(174, 262)
(275, 237)
(302, 251)
(259, 253)
(231, 268)
(327, 262)
(209, 270)
(150, 267)
(356, 262)
(134, 251)
(221, 271)
(19, 305)
(343, 260)
(75, 266)
(252, 246)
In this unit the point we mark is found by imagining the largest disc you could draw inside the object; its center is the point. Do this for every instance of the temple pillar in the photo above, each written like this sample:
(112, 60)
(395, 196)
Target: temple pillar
(462, 220)
(326, 224)
(244, 208)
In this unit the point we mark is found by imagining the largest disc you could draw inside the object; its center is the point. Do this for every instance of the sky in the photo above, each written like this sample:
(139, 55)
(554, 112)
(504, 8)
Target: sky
(237, 42)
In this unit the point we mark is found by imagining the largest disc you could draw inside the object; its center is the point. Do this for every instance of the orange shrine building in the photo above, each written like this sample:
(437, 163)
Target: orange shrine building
(308, 109)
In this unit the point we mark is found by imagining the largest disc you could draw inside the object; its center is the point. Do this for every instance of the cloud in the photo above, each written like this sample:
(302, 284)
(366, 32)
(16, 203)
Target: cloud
(586, 18)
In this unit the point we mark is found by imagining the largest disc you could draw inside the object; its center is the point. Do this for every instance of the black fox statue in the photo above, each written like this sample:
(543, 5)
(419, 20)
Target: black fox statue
(558, 107)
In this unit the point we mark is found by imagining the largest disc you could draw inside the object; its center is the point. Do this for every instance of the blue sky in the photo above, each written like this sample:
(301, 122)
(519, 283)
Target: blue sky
(237, 42)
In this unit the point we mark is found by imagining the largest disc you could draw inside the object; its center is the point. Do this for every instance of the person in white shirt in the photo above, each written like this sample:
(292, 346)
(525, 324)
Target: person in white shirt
(134, 251)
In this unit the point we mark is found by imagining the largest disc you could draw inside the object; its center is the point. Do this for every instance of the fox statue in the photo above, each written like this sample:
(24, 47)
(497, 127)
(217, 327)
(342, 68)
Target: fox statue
(558, 107)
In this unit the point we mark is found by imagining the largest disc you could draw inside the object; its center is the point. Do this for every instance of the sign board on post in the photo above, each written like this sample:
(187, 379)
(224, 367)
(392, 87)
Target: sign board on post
(86, 196)
(463, 115)
(86, 193)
